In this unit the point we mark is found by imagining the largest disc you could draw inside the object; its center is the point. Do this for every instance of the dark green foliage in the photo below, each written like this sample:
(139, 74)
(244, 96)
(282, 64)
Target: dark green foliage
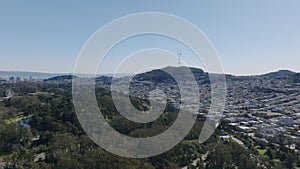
(295, 78)
(55, 131)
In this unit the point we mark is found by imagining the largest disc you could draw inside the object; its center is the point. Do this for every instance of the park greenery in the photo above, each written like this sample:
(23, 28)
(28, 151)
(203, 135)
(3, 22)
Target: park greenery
(55, 138)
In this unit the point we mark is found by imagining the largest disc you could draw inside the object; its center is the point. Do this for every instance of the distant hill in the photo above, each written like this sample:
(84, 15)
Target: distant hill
(60, 78)
(279, 74)
(40, 75)
(35, 75)
(159, 75)
(64, 78)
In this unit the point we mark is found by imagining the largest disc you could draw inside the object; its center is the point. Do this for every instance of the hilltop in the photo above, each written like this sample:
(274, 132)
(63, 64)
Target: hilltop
(279, 74)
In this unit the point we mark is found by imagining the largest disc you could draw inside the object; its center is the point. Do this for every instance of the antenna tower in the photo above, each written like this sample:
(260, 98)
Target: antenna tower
(179, 58)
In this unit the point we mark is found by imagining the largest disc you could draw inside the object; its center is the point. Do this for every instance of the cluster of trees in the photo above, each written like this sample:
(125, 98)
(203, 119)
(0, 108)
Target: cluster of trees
(230, 155)
(13, 137)
(55, 131)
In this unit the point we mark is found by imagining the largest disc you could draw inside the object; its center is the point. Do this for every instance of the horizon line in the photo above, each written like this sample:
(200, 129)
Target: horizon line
(111, 73)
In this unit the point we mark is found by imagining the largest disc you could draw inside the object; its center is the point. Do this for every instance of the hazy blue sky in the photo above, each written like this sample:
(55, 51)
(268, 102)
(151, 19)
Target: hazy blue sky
(251, 37)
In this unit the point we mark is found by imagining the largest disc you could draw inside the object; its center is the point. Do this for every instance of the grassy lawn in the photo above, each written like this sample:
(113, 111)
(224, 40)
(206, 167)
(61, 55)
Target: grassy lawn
(260, 151)
(276, 160)
(17, 118)
(190, 142)
(8, 121)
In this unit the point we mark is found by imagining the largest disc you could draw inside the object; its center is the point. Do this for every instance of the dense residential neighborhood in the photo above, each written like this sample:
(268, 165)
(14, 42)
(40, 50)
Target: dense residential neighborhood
(259, 106)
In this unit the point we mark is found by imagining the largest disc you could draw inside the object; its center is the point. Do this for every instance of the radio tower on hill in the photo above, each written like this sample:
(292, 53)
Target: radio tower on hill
(179, 58)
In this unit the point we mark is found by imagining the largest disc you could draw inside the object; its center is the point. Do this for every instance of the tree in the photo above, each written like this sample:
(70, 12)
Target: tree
(289, 161)
(220, 158)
